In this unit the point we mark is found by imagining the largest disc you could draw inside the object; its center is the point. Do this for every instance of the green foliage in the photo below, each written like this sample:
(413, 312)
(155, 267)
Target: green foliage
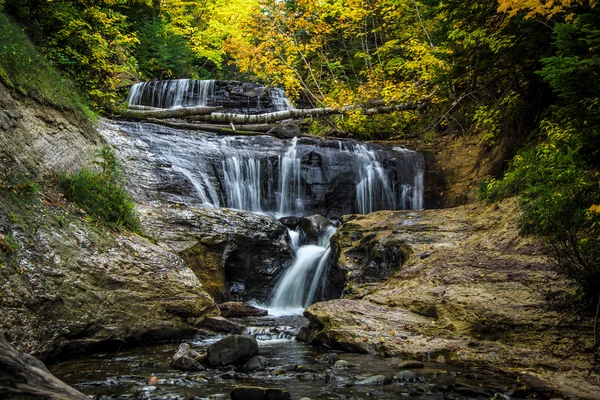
(102, 195)
(22, 67)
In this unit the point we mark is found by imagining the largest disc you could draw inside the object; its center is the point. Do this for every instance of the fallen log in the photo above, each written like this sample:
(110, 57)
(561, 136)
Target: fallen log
(144, 108)
(168, 113)
(243, 119)
(220, 129)
(25, 377)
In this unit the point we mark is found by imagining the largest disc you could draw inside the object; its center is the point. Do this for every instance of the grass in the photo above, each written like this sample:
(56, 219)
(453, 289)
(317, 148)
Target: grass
(25, 69)
(102, 195)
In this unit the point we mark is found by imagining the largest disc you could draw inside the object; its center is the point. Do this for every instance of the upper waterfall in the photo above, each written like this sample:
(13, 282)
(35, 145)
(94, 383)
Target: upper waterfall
(302, 176)
(233, 96)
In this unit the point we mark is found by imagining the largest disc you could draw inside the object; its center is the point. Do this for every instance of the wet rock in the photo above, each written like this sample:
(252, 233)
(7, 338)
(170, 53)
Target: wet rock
(233, 375)
(330, 358)
(234, 349)
(220, 324)
(406, 376)
(187, 364)
(375, 380)
(290, 222)
(411, 364)
(187, 359)
(185, 350)
(342, 364)
(237, 309)
(259, 393)
(256, 363)
(285, 130)
(313, 227)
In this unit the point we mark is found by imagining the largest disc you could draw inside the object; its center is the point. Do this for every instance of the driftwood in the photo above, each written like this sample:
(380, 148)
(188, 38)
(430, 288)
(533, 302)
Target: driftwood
(24, 377)
(168, 113)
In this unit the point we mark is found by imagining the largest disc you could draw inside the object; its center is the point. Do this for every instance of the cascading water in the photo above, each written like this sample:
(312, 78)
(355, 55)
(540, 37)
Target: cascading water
(171, 94)
(281, 178)
(298, 287)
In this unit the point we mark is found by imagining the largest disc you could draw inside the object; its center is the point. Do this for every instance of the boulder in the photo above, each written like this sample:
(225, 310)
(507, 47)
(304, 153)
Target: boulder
(220, 324)
(285, 130)
(259, 393)
(342, 364)
(187, 359)
(237, 309)
(234, 349)
(330, 358)
(313, 226)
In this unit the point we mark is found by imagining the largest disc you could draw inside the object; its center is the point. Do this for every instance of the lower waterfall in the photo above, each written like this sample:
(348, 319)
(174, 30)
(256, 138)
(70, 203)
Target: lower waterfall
(299, 285)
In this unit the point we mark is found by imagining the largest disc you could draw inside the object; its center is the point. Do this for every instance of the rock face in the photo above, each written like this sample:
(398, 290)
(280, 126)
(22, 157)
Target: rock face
(232, 350)
(463, 286)
(237, 309)
(66, 283)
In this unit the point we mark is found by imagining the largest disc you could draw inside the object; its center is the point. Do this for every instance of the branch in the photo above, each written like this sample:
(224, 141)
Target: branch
(169, 113)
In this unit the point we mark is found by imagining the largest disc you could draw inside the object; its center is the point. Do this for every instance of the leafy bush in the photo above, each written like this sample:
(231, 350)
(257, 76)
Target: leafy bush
(560, 197)
(102, 195)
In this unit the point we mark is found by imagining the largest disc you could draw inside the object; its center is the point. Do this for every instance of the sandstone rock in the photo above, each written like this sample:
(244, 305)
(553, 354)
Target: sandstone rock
(234, 349)
(220, 324)
(259, 393)
(237, 309)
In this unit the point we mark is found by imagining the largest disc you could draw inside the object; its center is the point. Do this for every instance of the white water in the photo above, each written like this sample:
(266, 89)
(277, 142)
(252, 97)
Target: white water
(172, 94)
(298, 287)
(290, 184)
(373, 189)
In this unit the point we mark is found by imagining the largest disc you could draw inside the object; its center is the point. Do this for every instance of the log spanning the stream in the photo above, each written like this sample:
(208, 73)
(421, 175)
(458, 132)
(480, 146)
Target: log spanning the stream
(160, 113)
(24, 377)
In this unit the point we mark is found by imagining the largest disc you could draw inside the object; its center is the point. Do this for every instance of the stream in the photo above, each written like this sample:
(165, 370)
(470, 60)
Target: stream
(293, 365)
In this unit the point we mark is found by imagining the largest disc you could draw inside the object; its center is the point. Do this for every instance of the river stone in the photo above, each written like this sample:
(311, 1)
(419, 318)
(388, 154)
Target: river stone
(290, 222)
(374, 380)
(411, 364)
(331, 358)
(234, 349)
(255, 363)
(238, 309)
(185, 350)
(259, 393)
(406, 376)
(187, 364)
(342, 364)
(220, 324)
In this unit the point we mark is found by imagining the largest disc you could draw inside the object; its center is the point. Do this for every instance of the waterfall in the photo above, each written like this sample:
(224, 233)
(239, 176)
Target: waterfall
(373, 189)
(298, 287)
(279, 100)
(282, 178)
(172, 93)
(290, 184)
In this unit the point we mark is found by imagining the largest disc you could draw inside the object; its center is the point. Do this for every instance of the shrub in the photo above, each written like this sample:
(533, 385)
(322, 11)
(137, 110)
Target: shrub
(102, 195)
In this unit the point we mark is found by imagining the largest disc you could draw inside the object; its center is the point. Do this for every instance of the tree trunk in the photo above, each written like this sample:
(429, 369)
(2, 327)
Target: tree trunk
(220, 129)
(24, 377)
(168, 113)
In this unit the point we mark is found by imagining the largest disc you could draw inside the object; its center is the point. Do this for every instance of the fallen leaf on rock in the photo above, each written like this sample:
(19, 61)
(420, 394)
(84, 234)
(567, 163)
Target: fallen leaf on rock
(153, 380)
